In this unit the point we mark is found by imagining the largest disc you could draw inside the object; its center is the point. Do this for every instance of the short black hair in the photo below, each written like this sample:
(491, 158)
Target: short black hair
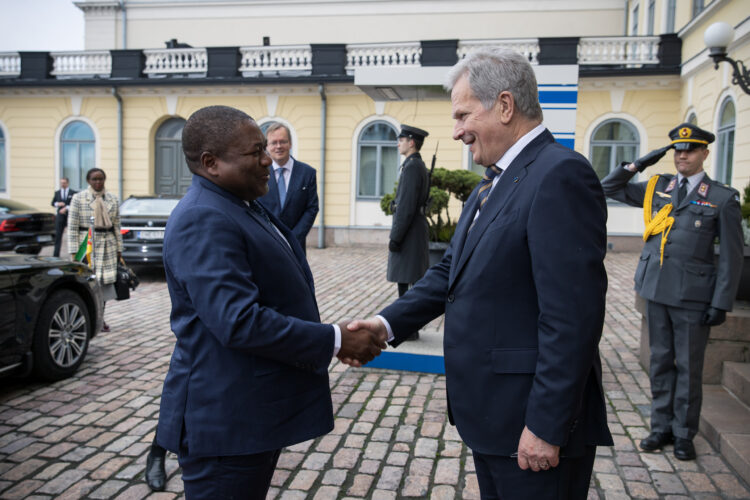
(210, 129)
(94, 170)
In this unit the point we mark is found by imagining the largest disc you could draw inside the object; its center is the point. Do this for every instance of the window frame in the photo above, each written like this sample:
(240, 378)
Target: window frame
(378, 163)
(4, 173)
(592, 143)
(725, 142)
(80, 182)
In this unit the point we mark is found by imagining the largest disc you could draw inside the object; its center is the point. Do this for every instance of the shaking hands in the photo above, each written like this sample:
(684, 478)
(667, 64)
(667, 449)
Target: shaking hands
(361, 341)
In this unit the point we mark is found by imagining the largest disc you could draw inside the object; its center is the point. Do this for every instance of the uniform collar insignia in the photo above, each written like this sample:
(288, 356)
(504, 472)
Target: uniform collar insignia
(671, 185)
(703, 189)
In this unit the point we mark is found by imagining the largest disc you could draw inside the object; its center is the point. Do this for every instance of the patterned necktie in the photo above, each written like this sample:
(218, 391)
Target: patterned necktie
(485, 186)
(282, 185)
(682, 193)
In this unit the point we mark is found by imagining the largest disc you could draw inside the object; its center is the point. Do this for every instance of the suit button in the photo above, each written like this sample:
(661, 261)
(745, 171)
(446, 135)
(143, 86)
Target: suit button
(451, 298)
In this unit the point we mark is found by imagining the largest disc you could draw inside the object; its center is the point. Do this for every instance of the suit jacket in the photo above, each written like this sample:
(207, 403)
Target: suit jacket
(301, 202)
(409, 228)
(249, 371)
(689, 277)
(58, 197)
(523, 295)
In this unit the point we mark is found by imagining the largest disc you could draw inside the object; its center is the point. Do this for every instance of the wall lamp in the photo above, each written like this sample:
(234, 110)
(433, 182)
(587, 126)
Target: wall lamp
(718, 36)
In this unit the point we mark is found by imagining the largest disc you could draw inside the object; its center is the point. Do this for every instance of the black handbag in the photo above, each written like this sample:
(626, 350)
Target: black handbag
(125, 281)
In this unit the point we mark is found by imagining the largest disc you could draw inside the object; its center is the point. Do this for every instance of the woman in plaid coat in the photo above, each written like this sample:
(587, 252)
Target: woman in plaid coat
(105, 208)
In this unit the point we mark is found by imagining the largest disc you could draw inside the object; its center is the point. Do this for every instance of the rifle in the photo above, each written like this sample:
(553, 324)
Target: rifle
(428, 201)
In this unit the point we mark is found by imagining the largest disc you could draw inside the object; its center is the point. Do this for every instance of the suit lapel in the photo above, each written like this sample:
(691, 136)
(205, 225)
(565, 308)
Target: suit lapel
(295, 183)
(507, 184)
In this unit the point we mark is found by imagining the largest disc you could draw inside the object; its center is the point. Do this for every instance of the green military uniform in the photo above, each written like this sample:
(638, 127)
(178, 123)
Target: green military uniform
(678, 276)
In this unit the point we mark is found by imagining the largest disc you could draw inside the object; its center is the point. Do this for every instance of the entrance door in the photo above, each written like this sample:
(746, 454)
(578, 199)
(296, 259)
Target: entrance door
(172, 174)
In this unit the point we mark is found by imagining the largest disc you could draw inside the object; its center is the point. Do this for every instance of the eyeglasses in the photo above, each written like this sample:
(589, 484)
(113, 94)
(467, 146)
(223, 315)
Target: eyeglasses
(278, 143)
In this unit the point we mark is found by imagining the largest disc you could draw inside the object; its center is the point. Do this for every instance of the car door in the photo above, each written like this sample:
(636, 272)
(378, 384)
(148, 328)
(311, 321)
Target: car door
(10, 348)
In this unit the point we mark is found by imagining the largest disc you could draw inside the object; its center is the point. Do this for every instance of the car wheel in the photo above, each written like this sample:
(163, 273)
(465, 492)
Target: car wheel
(61, 337)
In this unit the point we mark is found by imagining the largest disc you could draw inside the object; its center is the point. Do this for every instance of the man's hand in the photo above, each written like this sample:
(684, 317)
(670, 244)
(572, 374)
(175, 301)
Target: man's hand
(536, 453)
(394, 246)
(714, 317)
(372, 325)
(358, 345)
(651, 158)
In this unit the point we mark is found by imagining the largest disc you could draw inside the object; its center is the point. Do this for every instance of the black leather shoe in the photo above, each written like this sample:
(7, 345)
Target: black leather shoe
(156, 476)
(656, 441)
(684, 449)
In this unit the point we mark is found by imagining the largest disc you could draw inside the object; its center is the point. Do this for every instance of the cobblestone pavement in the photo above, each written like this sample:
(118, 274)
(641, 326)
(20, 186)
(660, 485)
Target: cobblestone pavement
(87, 437)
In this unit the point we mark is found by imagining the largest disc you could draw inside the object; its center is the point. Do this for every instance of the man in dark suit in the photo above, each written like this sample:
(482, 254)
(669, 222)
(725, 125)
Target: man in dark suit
(522, 286)
(292, 189)
(408, 252)
(248, 374)
(61, 201)
(686, 292)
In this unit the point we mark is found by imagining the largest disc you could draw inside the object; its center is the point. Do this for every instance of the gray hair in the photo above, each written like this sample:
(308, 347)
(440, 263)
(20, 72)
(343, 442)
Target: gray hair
(276, 126)
(493, 70)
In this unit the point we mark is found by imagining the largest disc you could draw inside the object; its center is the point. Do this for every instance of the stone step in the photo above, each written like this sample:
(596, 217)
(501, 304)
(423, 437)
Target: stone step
(725, 423)
(735, 378)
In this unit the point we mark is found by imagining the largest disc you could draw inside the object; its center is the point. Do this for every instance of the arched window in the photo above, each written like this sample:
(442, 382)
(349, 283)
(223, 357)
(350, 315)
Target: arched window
(377, 160)
(725, 142)
(78, 154)
(172, 173)
(613, 141)
(265, 126)
(3, 169)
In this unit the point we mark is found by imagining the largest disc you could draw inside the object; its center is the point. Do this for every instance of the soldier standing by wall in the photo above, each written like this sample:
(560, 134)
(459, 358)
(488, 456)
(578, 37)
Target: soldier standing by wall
(408, 252)
(686, 292)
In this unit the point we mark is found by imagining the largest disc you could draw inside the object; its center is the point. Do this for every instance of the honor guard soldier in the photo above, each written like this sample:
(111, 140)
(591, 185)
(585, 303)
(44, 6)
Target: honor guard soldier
(686, 290)
(408, 252)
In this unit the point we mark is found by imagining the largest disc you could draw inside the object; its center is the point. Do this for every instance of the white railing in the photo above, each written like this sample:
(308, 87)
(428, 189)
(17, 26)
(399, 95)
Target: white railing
(89, 63)
(361, 55)
(529, 47)
(625, 50)
(10, 64)
(163, 61)
(280, 58)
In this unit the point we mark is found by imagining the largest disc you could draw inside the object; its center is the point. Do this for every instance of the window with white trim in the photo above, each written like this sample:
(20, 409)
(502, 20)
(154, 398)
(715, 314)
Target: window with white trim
(77, 148)
(613, 141)
(377, 160)
(725, 141)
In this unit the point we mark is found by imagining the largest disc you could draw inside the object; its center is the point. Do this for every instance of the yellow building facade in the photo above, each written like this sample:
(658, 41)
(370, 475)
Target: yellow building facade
(639, 68)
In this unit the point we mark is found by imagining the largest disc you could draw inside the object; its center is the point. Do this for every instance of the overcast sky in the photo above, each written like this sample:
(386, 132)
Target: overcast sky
(40, 25)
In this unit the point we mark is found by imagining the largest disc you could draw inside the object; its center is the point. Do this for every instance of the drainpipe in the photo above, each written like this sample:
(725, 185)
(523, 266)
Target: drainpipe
(322, 184)
(124, 25)
(119, 138)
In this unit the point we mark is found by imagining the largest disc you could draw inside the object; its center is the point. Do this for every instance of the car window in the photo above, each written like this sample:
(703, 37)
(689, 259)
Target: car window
(148, 206)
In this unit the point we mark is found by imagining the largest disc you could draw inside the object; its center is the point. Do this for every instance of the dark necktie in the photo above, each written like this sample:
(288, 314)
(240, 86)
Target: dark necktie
(682, 193)
(485, 186)
(256, 207)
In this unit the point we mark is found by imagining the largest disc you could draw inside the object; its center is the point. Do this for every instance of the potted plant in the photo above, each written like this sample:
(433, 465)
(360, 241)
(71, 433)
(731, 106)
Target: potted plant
(743, 292)
(441, 226)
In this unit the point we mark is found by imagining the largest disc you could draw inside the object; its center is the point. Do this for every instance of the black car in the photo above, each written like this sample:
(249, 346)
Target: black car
(49, 311)
(142, 223)
(25, 229)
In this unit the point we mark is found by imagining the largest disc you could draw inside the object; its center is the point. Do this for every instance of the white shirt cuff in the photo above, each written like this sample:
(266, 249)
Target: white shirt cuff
(336, 340)
(387, 327)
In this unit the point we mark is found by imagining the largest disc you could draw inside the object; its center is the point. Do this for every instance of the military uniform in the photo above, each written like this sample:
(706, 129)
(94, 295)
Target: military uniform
(409, 228)
(679, 278)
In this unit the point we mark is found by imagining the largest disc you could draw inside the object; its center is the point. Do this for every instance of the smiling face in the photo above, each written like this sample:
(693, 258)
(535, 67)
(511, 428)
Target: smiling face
(243, 169)
(96, 180)
(482, 129)
(279, 145)
(690, 162)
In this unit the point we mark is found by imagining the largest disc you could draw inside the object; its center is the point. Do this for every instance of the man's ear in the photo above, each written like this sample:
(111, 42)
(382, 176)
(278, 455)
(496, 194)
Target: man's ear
(209, 163)
(505, 106)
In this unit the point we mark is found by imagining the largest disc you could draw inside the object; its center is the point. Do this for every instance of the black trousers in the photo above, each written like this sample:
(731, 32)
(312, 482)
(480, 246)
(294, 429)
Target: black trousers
(242, 477)
(500, 478)
(61, 222)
